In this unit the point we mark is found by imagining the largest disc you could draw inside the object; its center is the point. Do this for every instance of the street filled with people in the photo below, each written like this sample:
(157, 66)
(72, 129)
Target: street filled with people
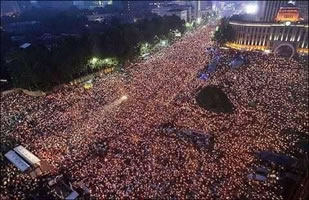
(135, 159)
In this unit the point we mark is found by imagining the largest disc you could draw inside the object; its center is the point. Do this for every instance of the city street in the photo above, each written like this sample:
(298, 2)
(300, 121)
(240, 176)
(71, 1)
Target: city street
(126, 113)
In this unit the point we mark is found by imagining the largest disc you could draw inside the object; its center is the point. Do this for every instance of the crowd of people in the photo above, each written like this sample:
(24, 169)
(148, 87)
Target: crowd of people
(63, 126)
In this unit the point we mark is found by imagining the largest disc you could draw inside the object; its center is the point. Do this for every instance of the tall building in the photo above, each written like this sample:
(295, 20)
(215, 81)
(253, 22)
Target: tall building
(267, 10)
(181, 12)
(197, 8)
(201, 8)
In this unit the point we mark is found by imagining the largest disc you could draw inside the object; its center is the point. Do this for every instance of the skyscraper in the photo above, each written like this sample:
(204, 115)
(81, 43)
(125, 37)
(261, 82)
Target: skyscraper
(267, 10)
(197, 8)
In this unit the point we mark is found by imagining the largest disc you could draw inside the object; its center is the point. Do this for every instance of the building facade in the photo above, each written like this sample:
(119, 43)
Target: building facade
(167, 11)
(280, 26)
(290, 14)
(182, 9)
(269, 36)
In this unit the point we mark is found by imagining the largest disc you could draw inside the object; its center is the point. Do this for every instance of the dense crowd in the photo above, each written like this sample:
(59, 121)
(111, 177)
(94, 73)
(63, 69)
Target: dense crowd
(63, 126)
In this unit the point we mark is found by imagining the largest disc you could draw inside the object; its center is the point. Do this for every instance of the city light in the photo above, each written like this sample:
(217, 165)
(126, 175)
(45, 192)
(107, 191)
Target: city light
(198, 20)
(251, 9)
(98, 63)
(107, 61)
(88, 84)
(177, 33)
(94, 60)
(267, 51)
(144, 50)
(164, 42)
(144, 46)
(188, 25)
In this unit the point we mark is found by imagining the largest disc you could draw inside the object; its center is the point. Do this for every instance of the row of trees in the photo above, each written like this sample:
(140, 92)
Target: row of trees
(40, 68)
(37, 67)
(124, 40)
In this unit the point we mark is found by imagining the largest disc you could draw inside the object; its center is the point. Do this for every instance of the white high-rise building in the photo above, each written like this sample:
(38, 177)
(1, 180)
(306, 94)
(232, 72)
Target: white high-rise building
(197, 9)
(267, 10)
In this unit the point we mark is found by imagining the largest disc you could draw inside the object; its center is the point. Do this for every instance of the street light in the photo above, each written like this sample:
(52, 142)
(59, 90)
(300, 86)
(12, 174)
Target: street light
(288, 23)
(267, 51)
(94, 60)
(107, 61)
(144, 49)
(163, 42)
(198, 20)
(177, 33)
(188, 25)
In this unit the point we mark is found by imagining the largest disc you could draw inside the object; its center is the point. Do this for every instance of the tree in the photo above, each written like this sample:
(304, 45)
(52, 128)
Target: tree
(225, 32)
(40, 68)
(4, 74)
(70, 58)
(132, 36)
(31, 68)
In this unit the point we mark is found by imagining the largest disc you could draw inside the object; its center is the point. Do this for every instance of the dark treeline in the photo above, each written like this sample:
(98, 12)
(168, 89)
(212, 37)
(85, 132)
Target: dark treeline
(38, 67)
(224, 32)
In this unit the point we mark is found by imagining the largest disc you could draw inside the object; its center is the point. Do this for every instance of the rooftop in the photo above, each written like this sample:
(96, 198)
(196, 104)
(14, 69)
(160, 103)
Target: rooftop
(25, 45)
